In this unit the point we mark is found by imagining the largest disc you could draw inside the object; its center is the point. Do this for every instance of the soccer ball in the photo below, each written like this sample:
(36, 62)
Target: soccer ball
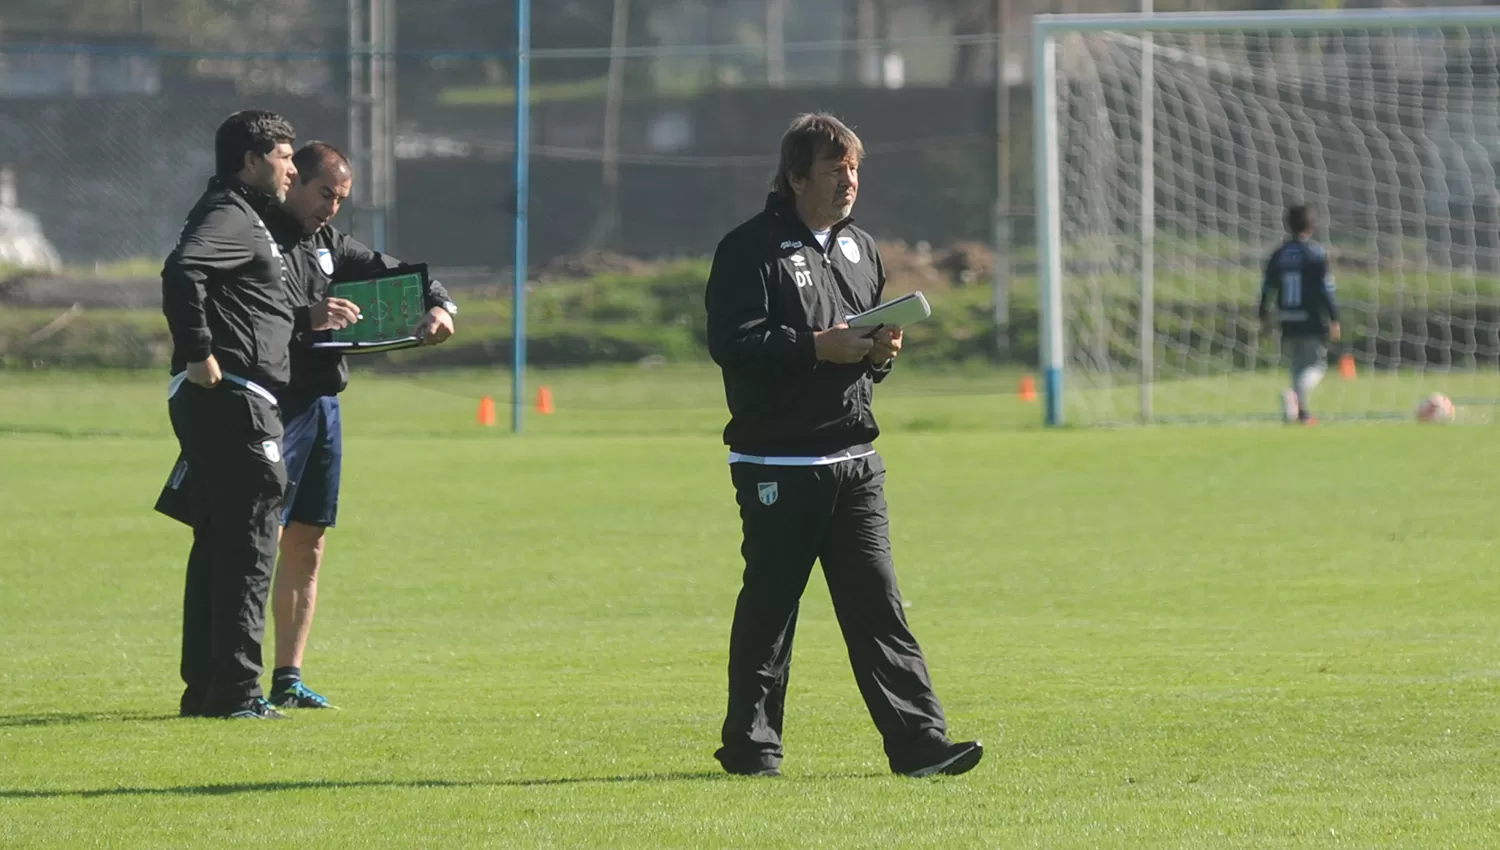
(1435, 408)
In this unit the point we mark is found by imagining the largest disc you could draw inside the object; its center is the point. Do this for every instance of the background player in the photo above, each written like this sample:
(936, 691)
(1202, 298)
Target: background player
(1298, 281)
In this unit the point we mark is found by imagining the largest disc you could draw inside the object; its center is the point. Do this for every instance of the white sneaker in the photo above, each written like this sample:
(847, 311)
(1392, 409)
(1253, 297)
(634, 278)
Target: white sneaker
(1290, 409)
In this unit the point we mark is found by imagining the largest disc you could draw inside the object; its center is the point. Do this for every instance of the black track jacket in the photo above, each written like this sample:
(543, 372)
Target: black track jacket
(771, 286)
(224, 289)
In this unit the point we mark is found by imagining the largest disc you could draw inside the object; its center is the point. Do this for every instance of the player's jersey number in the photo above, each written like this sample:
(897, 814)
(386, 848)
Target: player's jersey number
(1291, 289)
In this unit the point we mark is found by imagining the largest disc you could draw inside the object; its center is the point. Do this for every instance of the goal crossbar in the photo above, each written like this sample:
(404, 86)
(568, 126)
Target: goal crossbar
(1307, 20)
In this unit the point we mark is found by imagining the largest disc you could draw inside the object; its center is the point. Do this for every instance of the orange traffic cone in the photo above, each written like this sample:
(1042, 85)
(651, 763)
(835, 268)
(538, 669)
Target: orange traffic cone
(487, 411)
(544, 400)
(1028, 388)
(1346, 367)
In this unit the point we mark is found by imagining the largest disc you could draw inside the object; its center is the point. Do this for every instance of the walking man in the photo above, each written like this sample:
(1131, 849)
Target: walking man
(808, 480)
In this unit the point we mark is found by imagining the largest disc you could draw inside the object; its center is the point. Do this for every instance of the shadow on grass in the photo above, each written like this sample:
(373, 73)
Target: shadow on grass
(222, 789)
(67, 718)
(58, 431)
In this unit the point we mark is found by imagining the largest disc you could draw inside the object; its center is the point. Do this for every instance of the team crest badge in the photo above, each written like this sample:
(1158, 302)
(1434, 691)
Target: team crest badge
(325, 260)
(179, 475)
(273, 451)
(850, 248)
(768, 492)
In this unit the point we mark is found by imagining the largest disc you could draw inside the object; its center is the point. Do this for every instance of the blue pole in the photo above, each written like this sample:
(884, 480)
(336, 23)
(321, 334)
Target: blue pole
(523, 179)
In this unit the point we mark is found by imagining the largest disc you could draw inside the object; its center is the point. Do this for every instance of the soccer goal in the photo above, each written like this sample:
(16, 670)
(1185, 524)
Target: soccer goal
(1168, 148)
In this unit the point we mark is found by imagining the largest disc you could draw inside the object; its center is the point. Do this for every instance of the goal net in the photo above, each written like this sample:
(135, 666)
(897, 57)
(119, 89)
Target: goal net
(1387, 123)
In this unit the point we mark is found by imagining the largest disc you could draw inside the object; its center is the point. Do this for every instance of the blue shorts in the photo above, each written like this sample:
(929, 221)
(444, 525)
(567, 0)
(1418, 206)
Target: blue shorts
(313, 450)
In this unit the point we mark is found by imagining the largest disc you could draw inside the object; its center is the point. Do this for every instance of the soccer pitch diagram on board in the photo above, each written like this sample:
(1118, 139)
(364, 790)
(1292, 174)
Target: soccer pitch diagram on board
(391, 307)
(1385, 122)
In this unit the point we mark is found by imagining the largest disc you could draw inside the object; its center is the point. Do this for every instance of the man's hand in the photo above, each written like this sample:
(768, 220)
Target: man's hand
(205, 373)
(435, 327)
(333, 314)
(887, 345)
(1334, 332)
(842, 344)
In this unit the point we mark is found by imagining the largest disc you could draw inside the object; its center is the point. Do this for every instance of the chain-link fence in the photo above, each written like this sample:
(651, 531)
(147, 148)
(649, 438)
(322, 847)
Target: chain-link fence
(649, 141)
(110, 174)
(654, 131)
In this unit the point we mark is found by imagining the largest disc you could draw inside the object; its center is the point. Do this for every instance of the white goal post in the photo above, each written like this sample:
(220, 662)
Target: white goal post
(1167, 149)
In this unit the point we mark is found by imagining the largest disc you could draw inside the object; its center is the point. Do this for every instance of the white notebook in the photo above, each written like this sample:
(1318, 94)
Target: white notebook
(906, 310)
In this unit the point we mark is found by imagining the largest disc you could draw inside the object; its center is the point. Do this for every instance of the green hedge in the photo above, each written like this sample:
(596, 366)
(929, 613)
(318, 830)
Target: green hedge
(623, 319)
(606, 319)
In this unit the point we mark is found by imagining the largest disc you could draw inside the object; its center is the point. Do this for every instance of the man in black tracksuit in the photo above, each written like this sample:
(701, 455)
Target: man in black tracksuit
(229, 310)
(809, 483)
(317, 255)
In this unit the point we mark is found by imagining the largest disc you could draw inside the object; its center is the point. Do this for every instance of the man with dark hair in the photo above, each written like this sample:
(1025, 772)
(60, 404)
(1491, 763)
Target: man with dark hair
(318, 255)
(1299, 283)
(810, 485)
(227, 304)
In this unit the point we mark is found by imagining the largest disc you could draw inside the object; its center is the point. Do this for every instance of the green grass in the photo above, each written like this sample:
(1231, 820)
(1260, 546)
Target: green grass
(594, 88)
(1104, 398)
(672, 400)
(503, 95)
(127, 267)
(1174, 637)
(1411, 289)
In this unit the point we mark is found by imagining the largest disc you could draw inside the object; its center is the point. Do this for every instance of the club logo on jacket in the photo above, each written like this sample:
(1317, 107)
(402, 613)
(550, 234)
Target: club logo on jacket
(179, 475)
(325, 260)
(850, 248)
(768, 491)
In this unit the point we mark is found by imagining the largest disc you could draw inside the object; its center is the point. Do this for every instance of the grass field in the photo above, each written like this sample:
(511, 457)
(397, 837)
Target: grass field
(1172, 637)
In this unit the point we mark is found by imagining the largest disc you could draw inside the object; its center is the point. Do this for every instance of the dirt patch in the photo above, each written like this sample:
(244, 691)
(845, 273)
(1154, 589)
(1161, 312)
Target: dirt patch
(45, 290)
(596, 263)
(909, 267)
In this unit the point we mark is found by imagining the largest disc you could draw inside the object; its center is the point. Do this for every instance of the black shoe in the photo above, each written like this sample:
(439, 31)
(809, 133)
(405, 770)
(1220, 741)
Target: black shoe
(193, 703)
(764, 771)
(763, 766)
(255, 709)
(943, 757)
